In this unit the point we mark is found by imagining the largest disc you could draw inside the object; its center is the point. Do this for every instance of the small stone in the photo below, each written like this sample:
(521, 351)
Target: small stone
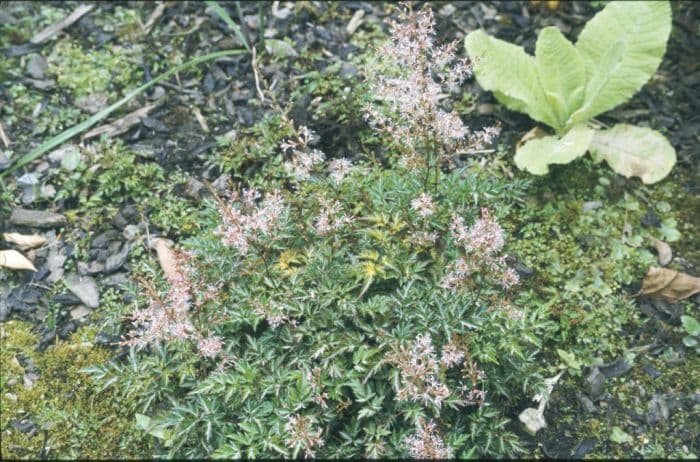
(92, 268)
(36, 218)
(585, 402)
(92, 103)
(102, 240)
(348, 71)
(54, 263)
(117, 260)
(29, 379)
(85, 288)
(67, 330)
(47, 191)
(595, 383)
(79, 312)
(28, 179)
(131, 232)
(617, 368)
(57, 155)
(28, 195)
(651, 219)
(4, 161)
(116, 281)
(66, 299)
(651, 371)
(447, 10)
(657, 410)
(583, 448)
(37, 66)
(591, 205)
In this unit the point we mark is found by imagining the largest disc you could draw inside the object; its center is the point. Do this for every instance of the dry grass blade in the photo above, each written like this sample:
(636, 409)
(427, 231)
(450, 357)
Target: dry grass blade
(57, 27)
(121, 125)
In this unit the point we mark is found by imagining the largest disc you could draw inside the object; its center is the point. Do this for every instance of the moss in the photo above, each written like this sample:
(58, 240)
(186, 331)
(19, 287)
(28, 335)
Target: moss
(76, 420)
(84, 72)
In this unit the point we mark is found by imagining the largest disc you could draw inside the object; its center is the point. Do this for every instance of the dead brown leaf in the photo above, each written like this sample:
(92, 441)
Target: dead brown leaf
(533, 134)
(669, 285)
(25, 241)
(166, 257)
(15, 260)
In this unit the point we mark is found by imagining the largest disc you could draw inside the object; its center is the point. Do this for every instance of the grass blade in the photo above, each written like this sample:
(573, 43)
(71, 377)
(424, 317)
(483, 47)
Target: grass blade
(81, 127)
(229, 22)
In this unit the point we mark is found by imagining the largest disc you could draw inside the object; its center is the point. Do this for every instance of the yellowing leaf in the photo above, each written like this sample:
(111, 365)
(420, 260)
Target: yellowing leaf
(536, 155)
(634, 151)
(25, 241)
(643, 28)
(669, 285)
(561, 73)
(15, 260)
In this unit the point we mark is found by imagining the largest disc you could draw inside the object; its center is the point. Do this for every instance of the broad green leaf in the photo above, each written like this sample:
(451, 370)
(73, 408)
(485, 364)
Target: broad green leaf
(619, 436)
(609, 64)
(634, 151)
(511, 74)
(561, 73)
(643, 27)
(280, 48)
(691, 325)
(536, 155)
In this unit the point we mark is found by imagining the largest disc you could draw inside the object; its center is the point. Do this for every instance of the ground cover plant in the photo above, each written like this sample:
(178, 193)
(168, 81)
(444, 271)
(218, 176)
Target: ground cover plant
(299, 230)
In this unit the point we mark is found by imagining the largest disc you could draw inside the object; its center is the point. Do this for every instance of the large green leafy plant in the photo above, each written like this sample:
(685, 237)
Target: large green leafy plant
(565, 85)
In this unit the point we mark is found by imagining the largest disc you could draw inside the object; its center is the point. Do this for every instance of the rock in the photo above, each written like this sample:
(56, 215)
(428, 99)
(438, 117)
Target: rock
(40, 274)
(54, 263)
(29, 379)
(57, 155)
(595, 383)
(651, 219)
(46, 339)
(28, 179)
(36, 218)
(131, 232)
(348, 71)
(92, 103)
(43, 85)
(28, 195)
(79, 312)
(126, 215)
(117, 260)
(102, 240)
(85, 288)
(66, 299)
(4, 306)
(94, 267)
(583, 448)
(4, 161)
(67, 330)
(651, 371)
(616, 368)
(37, 66)
(116, 281)
(657, 410)
(585, 402)
(47, 191)
(523, 271)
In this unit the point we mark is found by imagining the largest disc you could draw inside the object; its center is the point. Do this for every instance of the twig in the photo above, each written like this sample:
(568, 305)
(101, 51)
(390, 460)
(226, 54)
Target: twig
(121, 125)
(257, 78)
(155, 16)
(57, 27)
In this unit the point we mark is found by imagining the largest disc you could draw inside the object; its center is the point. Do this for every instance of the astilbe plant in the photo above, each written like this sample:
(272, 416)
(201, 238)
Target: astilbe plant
(350, 314)
(417, 76)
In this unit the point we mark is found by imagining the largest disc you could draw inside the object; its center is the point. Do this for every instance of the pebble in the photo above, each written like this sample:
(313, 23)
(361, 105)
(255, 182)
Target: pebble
(595, 383)
(657, 410)
(4, 161)
(79, 312)
(36, 218)
(85, 288)
(616, 368)
(585, 402)
(117, 260)
(28, 179)
(54, 263)
(131, 232)
(651, 371)
(37, 66)
(102, 240)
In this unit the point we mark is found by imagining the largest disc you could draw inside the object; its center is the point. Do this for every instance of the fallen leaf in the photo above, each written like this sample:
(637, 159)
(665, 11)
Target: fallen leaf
(665, 255)
(166, 258)
(669, 285)
(15, 260)
(533, 134)
(25, 241)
